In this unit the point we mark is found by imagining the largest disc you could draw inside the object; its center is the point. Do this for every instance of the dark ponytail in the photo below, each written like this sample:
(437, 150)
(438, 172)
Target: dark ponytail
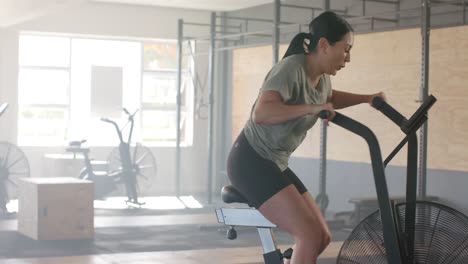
(301, 43)
(327, 25)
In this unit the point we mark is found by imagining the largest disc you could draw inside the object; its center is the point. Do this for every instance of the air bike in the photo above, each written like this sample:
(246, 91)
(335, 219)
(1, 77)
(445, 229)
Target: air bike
(412, 232)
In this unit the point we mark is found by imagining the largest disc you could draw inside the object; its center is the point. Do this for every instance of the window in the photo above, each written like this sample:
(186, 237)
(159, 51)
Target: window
(159, 93)
(94, 78)
(44, 70)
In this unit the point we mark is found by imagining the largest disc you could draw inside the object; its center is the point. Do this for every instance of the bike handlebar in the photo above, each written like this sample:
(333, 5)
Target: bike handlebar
(128, 113)
(104, 119)
(116, 126)
(407, 126)
(324, 114)
(119, 133)
(415, 120)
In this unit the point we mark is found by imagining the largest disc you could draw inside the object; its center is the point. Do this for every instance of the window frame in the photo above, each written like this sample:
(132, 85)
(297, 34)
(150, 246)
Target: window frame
(186, 110)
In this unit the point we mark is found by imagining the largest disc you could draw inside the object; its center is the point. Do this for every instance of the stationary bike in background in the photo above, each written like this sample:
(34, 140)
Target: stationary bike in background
(13, 166)
(140, 157)
(132, 167)
(103, 182)
(136, 162)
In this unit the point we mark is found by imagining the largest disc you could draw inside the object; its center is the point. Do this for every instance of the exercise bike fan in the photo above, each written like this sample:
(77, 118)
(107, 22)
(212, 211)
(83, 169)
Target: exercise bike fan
(13, 166)
(144, 165)
(441, 236)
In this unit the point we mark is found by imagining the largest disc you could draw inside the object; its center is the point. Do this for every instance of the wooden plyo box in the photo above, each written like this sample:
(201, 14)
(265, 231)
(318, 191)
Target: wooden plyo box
(56, 208)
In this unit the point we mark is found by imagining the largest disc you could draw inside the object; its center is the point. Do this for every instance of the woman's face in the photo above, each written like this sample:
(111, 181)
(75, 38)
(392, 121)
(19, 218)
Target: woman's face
(339, 54)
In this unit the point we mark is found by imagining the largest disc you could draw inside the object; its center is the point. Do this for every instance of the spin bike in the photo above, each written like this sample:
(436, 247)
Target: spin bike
(104, 183)
(407, 233)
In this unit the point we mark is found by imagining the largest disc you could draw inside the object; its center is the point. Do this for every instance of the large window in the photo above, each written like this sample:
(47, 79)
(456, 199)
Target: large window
(66, 84)
(44, 89)
(159, 94)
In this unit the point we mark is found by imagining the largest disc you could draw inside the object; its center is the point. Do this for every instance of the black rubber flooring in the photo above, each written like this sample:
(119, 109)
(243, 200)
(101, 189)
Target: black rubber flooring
(138, 239)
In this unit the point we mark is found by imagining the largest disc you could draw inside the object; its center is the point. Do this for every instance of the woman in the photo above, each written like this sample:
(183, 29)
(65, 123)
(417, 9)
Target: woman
(293, 93)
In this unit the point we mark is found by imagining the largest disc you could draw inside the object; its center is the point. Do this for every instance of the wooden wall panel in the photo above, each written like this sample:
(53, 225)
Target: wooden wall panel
(449, 83)
(388, 62)
(250, 66)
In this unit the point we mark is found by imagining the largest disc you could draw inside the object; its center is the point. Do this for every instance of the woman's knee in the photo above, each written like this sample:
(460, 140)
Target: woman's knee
(312, 235)
(315, 237)
(326, 240)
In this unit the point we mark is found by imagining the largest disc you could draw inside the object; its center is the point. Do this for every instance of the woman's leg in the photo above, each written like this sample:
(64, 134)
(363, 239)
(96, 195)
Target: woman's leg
(310, 201)
(277, 195)
(289, 210)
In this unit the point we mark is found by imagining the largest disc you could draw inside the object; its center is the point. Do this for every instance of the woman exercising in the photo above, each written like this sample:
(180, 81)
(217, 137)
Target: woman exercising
(292, 95)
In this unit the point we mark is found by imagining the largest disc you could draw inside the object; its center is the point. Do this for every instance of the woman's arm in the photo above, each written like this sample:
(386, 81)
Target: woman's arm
(341, 99)
(270, 109)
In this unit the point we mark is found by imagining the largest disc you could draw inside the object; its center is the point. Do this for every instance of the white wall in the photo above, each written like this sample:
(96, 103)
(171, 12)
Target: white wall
(117, 20)
(120, 21)
(8, 82)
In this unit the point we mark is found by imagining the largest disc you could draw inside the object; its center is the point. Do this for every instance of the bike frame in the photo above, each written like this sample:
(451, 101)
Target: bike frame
(409, 128)
(103, 184)
(127, 174)
(399, 244)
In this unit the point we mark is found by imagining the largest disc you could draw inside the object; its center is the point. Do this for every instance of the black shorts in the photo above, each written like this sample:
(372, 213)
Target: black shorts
(256, 178)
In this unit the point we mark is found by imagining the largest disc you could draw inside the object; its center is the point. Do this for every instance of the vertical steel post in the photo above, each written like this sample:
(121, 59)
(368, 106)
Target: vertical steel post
(180, 31)
(246, 27)
(223, 98)
(411, 186)
(464, 11)
(398, 9)
(276, 31)
(322, 198)
(363, 7)
(211, 58)
(326, 5)
(424, 91)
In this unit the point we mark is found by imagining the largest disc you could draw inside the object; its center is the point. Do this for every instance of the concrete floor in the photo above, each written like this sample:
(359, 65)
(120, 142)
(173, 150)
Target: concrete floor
(147, 236)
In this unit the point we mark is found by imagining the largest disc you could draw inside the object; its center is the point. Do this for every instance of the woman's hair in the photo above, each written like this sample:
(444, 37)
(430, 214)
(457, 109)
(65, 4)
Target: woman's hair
(327, 25)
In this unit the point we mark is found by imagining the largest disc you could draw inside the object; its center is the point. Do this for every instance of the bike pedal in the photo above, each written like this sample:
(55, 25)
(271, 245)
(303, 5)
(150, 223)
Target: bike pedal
(287, 254)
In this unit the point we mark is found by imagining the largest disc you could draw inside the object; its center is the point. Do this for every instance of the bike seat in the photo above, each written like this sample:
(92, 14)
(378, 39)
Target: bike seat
(230, 194)
(75, 147)
(77, 150)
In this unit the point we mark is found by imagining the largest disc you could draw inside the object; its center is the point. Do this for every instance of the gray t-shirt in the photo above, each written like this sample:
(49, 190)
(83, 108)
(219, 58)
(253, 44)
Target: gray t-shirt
(289, 79)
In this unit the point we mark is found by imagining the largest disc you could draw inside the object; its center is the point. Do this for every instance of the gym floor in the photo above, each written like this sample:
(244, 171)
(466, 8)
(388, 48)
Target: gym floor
(149, 236)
